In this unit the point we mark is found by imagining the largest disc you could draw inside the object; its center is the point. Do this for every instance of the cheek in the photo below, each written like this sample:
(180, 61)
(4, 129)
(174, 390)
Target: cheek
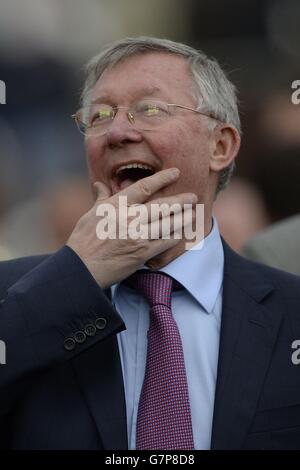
(94, 151)
(186, 148)
(172, 147)
(191, 150)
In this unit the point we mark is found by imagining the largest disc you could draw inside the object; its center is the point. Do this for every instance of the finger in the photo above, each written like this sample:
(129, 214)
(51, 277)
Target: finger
(159, 208)
(170, 225)
(140, 191)
(101, 191)
(157, 247)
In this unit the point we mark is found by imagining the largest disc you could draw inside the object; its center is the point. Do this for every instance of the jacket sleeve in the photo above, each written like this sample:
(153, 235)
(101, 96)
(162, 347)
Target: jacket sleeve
(54, 312)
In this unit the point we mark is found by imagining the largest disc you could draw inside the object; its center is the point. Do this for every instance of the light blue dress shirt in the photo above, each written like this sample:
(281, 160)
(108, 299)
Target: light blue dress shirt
(197, 311)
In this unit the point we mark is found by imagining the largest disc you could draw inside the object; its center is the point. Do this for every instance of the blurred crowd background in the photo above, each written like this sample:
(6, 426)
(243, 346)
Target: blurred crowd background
(45, 43)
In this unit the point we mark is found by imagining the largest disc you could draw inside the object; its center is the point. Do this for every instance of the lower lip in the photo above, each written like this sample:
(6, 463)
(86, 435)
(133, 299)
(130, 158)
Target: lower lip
(116, 187)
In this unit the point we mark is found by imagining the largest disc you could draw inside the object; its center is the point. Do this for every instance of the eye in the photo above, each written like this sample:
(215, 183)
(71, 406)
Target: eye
(151, 109)
(101, 114)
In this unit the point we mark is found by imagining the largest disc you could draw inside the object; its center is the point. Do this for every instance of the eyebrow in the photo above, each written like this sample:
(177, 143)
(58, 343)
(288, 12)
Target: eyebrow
(147, 91)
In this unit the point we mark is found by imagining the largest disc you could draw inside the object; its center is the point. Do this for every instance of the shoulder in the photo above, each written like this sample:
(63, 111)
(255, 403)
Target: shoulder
(281, 278)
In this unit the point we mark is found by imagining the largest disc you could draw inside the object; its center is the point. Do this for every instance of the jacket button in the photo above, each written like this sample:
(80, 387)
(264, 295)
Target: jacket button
(100, 323)
(90, 330)
(80, 337)
(69, 344)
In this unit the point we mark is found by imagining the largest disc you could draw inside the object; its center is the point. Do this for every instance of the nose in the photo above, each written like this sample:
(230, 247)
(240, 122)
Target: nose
(122, 131)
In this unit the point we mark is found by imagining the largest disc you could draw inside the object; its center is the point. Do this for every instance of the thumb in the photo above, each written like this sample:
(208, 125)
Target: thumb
(100, 191)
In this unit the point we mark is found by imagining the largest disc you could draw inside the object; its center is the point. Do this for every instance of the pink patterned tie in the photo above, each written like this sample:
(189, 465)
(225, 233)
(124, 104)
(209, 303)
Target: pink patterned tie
(164, 417)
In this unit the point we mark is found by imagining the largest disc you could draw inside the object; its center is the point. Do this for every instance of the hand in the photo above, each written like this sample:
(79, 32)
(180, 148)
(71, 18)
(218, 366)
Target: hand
(112, 260)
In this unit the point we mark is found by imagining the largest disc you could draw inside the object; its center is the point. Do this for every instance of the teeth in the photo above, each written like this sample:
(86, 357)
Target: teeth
(134, 165)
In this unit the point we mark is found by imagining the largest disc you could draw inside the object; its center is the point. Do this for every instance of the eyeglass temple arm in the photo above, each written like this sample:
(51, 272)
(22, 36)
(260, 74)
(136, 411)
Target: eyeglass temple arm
(192, 109)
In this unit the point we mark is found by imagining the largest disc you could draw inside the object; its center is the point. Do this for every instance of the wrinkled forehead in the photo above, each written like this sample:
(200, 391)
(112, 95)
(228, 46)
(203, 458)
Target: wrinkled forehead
(151, 74)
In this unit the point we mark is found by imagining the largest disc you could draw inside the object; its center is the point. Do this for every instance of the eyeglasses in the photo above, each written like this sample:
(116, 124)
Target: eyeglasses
(146, 115)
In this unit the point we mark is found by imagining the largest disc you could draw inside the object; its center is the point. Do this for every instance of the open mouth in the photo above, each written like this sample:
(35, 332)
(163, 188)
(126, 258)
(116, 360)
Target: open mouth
(128, 174)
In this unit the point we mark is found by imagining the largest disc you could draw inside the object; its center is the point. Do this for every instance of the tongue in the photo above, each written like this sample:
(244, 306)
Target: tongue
(125, 183)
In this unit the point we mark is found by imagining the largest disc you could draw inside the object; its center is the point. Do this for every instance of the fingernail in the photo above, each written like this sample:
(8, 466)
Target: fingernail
(175, 171)
(193, 198)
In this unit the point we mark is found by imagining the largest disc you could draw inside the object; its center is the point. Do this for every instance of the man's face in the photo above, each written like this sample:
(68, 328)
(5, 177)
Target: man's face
(182, 141)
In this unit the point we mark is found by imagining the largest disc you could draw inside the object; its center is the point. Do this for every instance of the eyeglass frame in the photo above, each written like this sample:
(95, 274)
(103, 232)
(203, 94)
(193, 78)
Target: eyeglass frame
(131, 118)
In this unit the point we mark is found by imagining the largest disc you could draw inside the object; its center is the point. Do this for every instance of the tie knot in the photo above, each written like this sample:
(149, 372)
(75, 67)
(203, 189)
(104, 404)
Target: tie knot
(156, 287)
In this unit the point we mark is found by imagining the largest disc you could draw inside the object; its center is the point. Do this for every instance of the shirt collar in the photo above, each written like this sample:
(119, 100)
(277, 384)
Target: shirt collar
(200, 271)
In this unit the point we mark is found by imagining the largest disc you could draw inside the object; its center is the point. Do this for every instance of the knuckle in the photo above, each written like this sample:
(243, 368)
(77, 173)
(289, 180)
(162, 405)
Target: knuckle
(83, 221)
(139, 249)
(144, 187)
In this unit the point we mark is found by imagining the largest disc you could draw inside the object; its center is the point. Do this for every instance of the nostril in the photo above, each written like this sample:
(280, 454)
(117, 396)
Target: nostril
(121, 135)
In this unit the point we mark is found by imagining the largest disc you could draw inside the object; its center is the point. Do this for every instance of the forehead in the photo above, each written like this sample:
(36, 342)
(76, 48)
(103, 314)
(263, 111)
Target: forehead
(162, 75)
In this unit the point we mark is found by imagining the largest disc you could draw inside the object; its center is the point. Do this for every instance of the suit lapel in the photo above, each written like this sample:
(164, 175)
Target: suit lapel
(100, 376)
(248, 334)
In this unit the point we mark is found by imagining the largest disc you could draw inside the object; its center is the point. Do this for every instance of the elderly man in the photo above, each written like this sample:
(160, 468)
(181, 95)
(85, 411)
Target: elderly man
(134, 342)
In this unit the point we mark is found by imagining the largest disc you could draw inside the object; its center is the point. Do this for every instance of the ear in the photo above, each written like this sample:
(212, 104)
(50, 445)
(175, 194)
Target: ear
(226, 146)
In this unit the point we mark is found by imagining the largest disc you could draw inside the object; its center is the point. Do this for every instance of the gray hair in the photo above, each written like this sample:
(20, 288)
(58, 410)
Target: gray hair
(214, 92)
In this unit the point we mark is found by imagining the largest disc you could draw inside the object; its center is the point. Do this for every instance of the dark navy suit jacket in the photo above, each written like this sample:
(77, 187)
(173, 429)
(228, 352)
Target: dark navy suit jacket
(57, 398)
